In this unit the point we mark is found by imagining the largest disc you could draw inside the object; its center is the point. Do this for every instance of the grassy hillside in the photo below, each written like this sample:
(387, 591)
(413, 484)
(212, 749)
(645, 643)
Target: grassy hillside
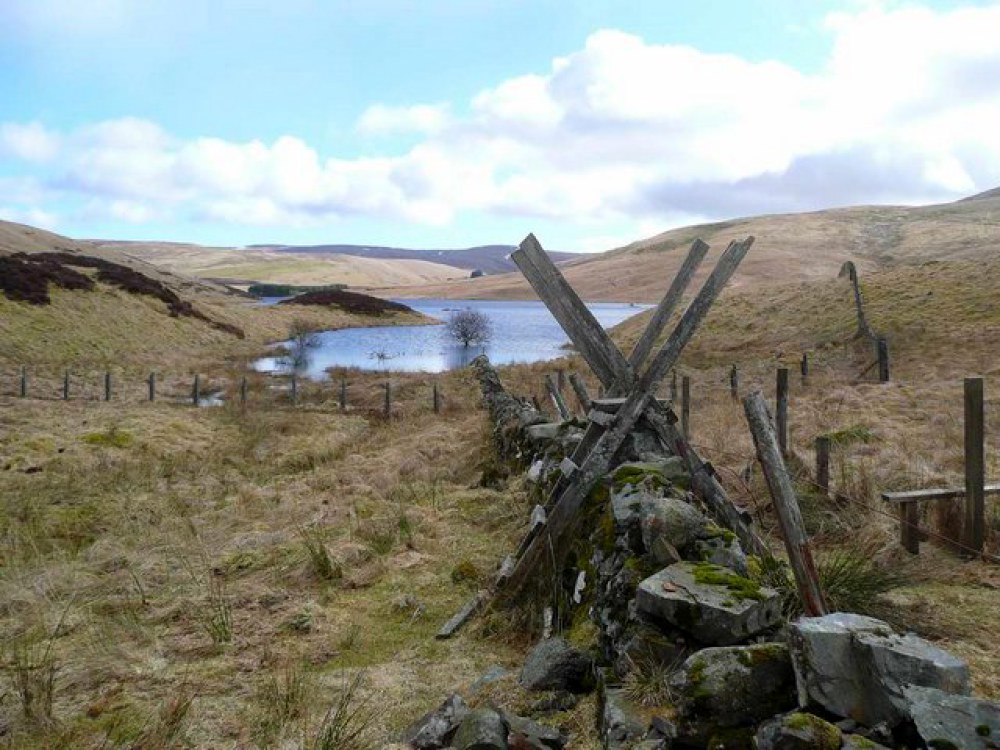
(789, 247)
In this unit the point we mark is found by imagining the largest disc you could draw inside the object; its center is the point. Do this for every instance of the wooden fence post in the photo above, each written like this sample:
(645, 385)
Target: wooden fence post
(152, 386)
(883, 360)
(673, 387)
(580, 389)
(66, 386)
(343, 394)
(561, 380)
(107, 385)
(24, 382)
(975, 507)
(781, 409)
(295, 389)
(804, 367)
(823, 463)
(436, 399)
(785, 504)
(686, 406)
(196, 390)
(388, 399)
(243, 391)
(734, 383)
(557, 399)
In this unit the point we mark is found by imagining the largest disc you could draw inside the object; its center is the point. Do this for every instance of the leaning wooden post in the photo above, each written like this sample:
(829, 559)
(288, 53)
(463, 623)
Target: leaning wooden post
(734, 383)
(673, 387)
(436, 399)
(554, 393)
(580, 389)
(66, 386)
(388, 399)
(24, 382)
(152, 386)
(107, 385)
(804, 367)
(975, 507)
(781, 409)
(883, 360)
(686, 406)
(823, 463)
(196, 390)
(343, 394)
(785, 504)
(243, 391)
(561, 380)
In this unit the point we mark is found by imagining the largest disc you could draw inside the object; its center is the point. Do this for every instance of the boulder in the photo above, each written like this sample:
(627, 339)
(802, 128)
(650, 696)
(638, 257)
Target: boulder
(797, 731)
(857, 742)
(948, 721)
(545, 432)
(527, 733)
(621, 724)
(724, 550)
(736, 685)
(482, 729)
(553, 664)
(674, 521)
(714, 605)
(856, 667)
(434, 729)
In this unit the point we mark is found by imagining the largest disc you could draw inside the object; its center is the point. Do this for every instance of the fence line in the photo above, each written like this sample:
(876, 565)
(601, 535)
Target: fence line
(864, 327)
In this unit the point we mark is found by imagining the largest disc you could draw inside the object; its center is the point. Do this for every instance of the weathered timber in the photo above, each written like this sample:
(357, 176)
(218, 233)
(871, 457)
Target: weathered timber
(463, 615)
(882, 346)
(974, 528)
(580, 389)
(734, 383)
(107, 386)
(823, 463)
(909, 516)
(661, 316)
(243, 390)
(781, 409)
(567, 308)
(612, 405)
(436, 399)
(151, 383)
(196, 391)
(686, 406)
(343, 394)
(66, 386)
(557, 399)
(673, 387)
(387, 407)
(24, 382)
(785, 504)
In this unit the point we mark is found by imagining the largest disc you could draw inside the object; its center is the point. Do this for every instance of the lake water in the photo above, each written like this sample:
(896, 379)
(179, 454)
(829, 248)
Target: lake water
(523, 331)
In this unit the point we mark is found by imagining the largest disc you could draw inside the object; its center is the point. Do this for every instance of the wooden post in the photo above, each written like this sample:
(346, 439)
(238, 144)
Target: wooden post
(388, 399)
(673, 387)
(785, 504)
(781, 409)
(152, 386)
(66, 386)
(243, 390)
(436, 399)
(883, 360)
(295, 389)
(580, 389)
(734, 383)
(564, 413)
(975, 479)
(823, 463)
(561, 381)
(909, 527)
(686, 407)
(343, 394)
(24, 382)
(196, 391)
(107, 385)
(804, 367)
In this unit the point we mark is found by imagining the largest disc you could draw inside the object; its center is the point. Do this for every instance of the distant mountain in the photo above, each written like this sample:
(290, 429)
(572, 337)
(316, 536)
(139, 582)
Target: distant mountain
(490, 259)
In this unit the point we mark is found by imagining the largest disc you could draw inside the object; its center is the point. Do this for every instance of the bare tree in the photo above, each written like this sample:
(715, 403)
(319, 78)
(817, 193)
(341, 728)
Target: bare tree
(469, 327)
(303, 335)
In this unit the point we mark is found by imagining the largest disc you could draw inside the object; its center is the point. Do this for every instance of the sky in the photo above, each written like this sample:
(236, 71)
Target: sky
(452, 123)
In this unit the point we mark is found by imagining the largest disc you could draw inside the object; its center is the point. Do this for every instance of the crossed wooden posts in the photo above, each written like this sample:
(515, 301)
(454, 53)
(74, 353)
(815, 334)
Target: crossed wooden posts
(631, 393)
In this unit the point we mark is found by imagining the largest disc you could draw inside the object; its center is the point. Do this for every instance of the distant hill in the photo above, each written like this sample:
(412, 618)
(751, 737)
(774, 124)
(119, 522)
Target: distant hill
(490, 259)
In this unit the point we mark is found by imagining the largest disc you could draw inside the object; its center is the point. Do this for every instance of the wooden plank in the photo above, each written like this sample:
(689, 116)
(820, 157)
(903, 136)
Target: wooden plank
(974, 528)
(823, 463)
(463, 615)
(785, 504)
(781, 409)
(557, 400)
(693, 316)
(661, 316)
(580, 389)
(612, 405)
(587, 335)
(934, 493)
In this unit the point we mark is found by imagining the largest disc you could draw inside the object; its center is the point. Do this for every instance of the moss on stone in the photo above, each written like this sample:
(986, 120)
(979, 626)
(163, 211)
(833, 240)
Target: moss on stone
(983, 730)
(635, 475)
(718, 532)
(740, 588)
(824, 735)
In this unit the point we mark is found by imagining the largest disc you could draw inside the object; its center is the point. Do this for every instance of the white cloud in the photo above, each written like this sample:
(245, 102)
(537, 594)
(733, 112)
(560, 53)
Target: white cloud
(35, 217)
(905, 110)
(382, 119)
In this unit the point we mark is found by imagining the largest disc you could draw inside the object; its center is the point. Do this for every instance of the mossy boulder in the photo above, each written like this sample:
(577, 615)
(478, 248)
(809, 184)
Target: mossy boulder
(737, 685)
(553, 664)
(798, 731)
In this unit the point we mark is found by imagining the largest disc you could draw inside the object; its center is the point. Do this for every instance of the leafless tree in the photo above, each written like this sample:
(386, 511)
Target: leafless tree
(469, 327)
(303, 335)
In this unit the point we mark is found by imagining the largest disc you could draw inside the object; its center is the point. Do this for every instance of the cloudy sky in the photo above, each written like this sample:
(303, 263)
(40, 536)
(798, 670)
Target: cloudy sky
(449, 123)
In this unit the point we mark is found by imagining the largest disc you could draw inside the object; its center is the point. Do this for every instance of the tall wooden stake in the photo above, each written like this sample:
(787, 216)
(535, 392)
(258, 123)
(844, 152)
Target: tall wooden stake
(781, 409)
(823, 463)
(107, 386)
(343, 394)
(24, 382)
(975, 479)
(66, 386)
(436, 399)
(557, 399)
(686, 406)
(580, 388)
(734, 383)
(804, 367)
(196, 391)
(243, 391)
(152, 386)
(388, 399)
(883, 360)
(785, 504)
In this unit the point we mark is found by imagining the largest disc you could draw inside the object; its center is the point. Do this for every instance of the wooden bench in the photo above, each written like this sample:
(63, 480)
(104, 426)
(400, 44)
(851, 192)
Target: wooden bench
(909, 517)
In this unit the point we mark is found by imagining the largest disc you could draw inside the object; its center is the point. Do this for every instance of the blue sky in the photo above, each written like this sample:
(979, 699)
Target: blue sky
(452, 123)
